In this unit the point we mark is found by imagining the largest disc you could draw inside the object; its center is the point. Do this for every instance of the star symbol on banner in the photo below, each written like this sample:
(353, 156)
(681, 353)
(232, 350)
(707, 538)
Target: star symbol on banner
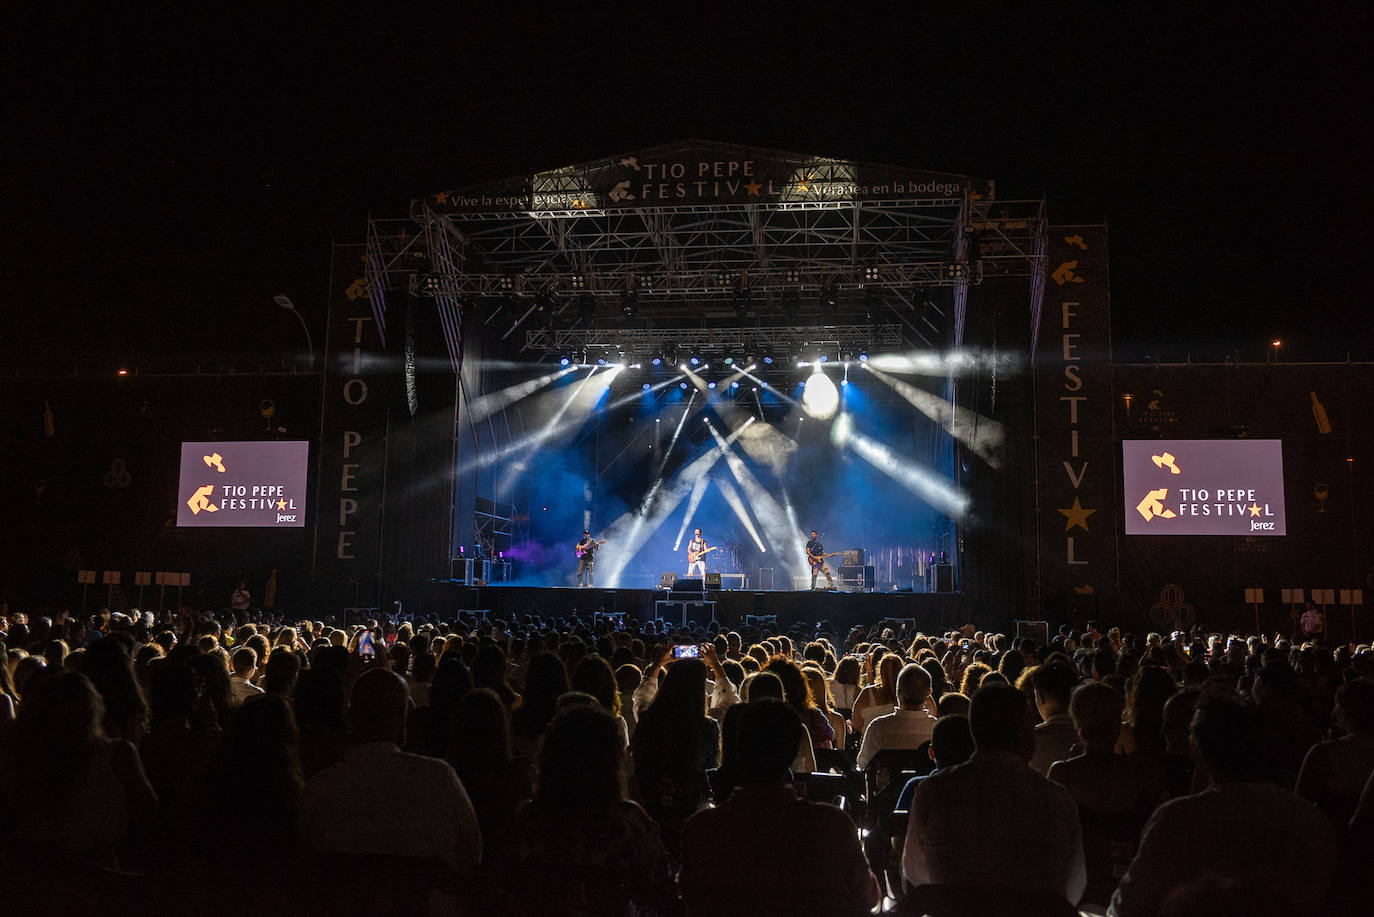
(441, 197)
(281, 504)
(1076, 515)
(1254, 509)
(753, 188)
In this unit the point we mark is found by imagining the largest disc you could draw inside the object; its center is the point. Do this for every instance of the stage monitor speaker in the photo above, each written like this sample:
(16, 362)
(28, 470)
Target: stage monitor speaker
(854, 557)
(944, 577)
(1039, 631)
(765, 577)
(689, 584)
(666, 580)
(713, 581)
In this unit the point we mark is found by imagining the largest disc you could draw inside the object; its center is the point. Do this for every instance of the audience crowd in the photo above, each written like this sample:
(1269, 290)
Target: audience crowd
(242, 763)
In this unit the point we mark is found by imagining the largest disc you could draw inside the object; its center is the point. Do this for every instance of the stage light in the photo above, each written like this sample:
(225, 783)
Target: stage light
(844, 381)
(742, 303)
(586, 307)
(564, 362)
(863, 357)
(600, 361)
(629, 305)
(791, 306)
(846, 356)
(647, 386)
(729, 361)
(658, 361)
(822, 358)
(694, 360)
(711, 384)
(829, 292)
(682, 385)
(735, 384)
(768, 361)
(820, 398)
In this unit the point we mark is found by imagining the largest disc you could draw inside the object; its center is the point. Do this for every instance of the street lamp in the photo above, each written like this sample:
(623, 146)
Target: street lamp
(1275, 343)
(285, 302)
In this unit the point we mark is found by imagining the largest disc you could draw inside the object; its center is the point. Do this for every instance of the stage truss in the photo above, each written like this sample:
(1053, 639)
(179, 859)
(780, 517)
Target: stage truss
(817, 264)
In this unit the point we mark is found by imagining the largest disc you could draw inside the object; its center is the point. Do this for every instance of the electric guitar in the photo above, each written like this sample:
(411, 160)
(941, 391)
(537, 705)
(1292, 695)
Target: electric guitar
(595, 545)
(694, 556)
(818, 559)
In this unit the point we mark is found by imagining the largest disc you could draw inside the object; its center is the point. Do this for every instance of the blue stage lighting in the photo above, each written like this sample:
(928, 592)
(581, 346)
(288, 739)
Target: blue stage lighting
(658, 361)
(710, 385)
(682, 385)
(647, 386)
(564, 362)
(768, 360)
(863, 358)
(695, 361)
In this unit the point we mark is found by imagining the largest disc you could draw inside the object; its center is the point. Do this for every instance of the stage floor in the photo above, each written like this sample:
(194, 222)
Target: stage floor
(933, 612)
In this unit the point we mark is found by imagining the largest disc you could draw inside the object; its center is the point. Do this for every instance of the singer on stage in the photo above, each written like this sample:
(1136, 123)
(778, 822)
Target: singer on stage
(696, 549)
(586, 557)
(815, 555)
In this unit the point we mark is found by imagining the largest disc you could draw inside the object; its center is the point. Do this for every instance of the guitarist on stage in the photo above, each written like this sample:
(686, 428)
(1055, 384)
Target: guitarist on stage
(696, 550)
(815, 554)
(586, 556)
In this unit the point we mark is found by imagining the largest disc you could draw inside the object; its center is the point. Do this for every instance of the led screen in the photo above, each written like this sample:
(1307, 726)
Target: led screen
(243, 485)
(1203, 486)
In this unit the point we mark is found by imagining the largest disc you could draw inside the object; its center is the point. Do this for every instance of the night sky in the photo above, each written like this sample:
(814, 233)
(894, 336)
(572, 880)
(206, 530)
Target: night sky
(167, 172)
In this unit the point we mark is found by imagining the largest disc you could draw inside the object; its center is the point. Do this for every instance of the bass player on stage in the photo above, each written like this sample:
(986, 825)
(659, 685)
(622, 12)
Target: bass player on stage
(815, 555)
(696, 550)
(586, 557)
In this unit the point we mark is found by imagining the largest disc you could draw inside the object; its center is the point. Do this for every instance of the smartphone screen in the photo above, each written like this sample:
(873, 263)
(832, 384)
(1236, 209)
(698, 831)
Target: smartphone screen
(686, 650)
(366, 646)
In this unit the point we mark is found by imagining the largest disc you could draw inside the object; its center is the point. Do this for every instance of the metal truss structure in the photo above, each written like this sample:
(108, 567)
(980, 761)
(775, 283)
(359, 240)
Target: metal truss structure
(820, 260)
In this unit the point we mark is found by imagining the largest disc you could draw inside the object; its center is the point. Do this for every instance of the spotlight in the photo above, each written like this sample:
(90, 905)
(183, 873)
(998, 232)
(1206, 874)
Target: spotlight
(647, 386)
(791, 306)
(586, 307)
(658, 361)
(711, 384)
(564, 362)
(768, 361)
(682, 385)
(729, 361)
(863, 357)
(694, 360)
(735, 384)
(844, 382)
(829, 295)
(822, 358)
(600, 361)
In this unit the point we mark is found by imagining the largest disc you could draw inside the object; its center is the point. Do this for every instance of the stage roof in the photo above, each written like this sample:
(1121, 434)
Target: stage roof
(702, 235)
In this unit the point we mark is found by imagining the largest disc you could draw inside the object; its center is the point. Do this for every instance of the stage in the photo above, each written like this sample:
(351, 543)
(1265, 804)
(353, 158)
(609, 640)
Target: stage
(932, 611)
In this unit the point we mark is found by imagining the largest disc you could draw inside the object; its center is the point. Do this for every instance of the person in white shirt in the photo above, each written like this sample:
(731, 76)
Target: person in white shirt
(241, 687)
(379, 799)
(1275, 851)
(906, 727)
(992, 821)
(1055, 736)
